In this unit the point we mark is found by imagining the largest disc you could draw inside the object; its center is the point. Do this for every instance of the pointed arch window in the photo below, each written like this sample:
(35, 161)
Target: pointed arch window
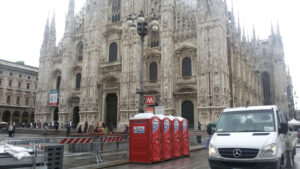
(116, 10)
(79, 51)
(186, 67)
(266, 88)
(154, 39)
(58, 79)
(153, 71)
(78, 80)
(113, 52)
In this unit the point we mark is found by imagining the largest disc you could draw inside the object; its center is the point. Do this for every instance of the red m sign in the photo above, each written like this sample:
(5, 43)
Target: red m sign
(149, 100)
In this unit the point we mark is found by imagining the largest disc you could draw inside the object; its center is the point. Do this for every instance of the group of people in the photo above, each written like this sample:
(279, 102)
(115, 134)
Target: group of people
(99, 128)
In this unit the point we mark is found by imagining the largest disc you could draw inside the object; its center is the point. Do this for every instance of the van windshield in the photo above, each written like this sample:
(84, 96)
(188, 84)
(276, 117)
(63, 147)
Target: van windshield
(247, 121)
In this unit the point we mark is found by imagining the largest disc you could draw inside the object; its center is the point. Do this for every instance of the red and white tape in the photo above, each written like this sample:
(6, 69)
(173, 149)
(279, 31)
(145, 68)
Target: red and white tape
(112, 139)
(78, 140)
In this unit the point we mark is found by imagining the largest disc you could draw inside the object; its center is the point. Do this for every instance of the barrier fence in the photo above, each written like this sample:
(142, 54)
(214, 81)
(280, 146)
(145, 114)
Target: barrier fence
(111, 147)
(104, 147)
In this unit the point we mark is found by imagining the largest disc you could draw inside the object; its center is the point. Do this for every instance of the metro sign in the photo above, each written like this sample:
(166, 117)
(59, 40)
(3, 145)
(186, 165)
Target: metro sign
(149, 100)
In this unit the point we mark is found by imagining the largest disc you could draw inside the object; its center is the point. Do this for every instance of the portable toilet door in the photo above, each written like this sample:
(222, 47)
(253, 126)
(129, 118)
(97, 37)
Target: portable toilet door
(139, 144)
(176, 138)
(185, 138)
(166, 139)
(155, 139)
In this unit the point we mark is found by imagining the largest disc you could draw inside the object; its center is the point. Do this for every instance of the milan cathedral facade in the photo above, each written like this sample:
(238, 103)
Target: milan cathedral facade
(198, 63)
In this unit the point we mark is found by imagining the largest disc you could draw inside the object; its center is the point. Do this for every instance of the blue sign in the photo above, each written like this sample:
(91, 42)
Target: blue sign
(176, 126)
(184, 126)
(166, 125)
(155, 125)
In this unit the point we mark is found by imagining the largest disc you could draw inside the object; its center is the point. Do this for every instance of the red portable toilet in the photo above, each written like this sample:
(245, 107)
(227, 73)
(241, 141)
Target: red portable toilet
(176, 136)
(185, 138)
(166, 138)
(145, 138)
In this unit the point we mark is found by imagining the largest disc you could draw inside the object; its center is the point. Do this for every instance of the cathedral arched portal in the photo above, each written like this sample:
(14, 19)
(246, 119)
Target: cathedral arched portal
(76, 117)
(187, 110)
(55, 114)
(111, 110)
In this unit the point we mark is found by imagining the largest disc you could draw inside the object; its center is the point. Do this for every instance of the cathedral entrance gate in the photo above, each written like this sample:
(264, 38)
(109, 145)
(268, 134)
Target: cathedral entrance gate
(187, 110)
(55, 114)
(111, 109)
(76, 116)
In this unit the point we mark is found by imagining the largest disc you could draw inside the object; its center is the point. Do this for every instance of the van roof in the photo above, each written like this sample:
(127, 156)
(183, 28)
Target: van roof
(250, 108)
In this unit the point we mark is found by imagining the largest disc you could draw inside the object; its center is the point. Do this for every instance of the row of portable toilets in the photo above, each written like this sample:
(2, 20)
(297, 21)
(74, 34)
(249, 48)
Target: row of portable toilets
(155, 138)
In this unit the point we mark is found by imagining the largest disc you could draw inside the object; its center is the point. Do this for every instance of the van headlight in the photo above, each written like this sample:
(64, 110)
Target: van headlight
(269, 151)
(212, 150)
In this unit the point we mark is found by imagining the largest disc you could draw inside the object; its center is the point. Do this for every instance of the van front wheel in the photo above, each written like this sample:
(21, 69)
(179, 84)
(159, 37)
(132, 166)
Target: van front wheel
(280, 164)
(290, 159)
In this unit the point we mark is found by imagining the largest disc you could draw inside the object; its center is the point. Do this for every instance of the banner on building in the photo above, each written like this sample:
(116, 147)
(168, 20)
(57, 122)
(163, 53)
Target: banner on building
(53, 97)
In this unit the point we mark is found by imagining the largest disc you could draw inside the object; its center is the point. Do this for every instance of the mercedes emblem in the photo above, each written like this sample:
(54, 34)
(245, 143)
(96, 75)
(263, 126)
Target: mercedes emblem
(237, 153)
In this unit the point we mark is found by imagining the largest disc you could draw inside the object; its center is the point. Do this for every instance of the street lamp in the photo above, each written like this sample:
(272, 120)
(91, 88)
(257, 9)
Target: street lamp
(142, 29)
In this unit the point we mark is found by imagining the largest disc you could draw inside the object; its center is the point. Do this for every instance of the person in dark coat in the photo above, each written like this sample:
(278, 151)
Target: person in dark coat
(68, 130)
(79, 129)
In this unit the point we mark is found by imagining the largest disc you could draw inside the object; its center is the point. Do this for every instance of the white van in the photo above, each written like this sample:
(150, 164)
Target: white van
(251, 137)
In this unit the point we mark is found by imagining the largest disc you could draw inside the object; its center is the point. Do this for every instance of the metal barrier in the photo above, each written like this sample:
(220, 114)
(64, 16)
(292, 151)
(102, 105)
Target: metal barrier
(100, 145)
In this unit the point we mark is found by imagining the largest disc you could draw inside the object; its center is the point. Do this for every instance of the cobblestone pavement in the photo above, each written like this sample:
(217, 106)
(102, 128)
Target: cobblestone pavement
(197, 160)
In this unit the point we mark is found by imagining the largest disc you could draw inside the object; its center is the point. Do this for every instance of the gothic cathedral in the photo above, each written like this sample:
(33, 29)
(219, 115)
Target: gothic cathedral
(198, 63)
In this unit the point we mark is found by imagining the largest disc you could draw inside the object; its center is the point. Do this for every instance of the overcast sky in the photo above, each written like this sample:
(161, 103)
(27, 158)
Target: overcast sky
(23, 22)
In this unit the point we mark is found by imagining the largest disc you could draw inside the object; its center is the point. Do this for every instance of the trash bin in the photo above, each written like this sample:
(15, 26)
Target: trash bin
(145, 138)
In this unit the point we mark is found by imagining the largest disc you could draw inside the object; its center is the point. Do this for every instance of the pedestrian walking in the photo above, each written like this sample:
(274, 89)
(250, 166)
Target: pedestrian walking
(14, 130)
(126, 131)
(79, 130)
(199, 137)
(45, 131)
(85, 126)
(10, 130)
(68, 130)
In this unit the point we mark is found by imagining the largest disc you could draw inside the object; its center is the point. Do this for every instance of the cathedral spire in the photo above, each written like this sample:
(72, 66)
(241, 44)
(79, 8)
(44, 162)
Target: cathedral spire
(71, 7)
(52, 35)
(46, 32)
(278, 29)
(272, 29)
(254, 34)
(244, 35)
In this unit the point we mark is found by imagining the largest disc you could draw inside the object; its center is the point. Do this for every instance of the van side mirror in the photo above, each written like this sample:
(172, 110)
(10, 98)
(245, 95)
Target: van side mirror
(283, 128)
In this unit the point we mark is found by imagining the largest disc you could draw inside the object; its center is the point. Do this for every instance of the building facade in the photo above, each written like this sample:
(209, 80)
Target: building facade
(18, 84)
(197, 64)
